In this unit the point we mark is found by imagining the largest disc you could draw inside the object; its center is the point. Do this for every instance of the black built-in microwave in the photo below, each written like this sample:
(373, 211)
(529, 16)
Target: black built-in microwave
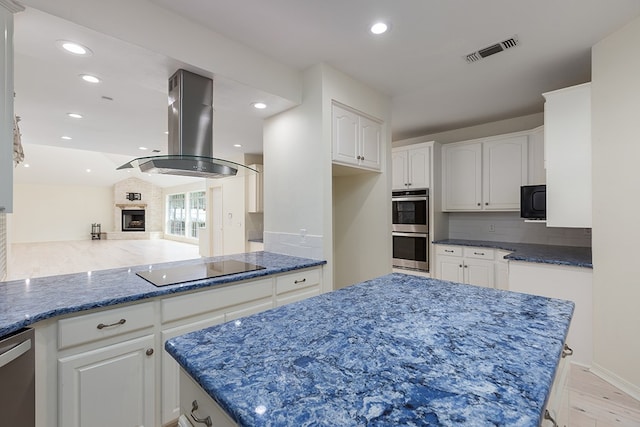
(533, 202)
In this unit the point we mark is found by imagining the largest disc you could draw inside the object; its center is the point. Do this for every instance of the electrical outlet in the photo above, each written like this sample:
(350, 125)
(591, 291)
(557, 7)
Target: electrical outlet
(492, 228)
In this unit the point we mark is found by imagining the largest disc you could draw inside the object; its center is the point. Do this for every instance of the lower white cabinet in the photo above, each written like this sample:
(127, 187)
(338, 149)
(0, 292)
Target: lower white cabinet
(473, 266)
(112, 369)
(109, 386)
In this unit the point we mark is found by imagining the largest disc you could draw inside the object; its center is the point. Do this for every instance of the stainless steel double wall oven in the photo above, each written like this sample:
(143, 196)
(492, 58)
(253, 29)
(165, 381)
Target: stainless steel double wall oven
(410, 213)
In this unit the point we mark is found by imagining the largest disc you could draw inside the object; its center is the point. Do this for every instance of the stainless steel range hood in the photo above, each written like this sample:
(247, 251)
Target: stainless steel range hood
(190, 149)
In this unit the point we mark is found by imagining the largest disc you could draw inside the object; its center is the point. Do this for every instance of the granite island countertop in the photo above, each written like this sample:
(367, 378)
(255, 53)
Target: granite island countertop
(25, 302)
(396, 350)
(575, 256)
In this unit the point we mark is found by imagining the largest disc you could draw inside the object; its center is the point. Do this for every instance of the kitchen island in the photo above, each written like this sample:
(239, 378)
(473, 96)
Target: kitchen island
(396, 350)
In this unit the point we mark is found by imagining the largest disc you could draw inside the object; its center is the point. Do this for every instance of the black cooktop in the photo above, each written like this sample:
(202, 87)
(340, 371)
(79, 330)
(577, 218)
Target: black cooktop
(188, 273)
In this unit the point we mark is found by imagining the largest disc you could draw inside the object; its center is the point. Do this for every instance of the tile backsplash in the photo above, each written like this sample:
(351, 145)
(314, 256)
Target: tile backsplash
(509, 227)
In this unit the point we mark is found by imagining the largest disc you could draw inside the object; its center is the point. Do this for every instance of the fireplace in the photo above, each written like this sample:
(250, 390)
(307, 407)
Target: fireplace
(133, 219)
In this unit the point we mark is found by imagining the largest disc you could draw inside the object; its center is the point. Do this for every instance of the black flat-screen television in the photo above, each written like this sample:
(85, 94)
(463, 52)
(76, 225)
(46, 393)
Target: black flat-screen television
(533, 202)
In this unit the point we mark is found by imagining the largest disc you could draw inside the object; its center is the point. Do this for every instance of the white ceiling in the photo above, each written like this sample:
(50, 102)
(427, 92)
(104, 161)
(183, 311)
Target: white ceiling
(419, 64)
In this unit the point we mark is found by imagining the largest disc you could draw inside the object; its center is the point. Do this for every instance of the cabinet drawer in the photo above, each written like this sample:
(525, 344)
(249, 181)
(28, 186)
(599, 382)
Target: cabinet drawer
(297, 280)
(449, 250)
(297, 296)
(479, 253)
(203, 302)
(104, 324)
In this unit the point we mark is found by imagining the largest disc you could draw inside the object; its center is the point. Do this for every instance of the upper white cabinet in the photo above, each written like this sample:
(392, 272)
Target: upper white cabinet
(356, 139)
(411, 167)
(567, 145)
(485, 174)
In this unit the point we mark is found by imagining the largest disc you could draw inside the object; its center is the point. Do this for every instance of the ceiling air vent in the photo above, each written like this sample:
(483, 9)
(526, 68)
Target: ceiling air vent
(492, 50)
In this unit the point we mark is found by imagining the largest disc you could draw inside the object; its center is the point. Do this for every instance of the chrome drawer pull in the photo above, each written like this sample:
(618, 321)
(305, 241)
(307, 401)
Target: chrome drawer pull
(567, 351)
(118, 323)
(478, 253)
(448, 251)
(547, 416)
(300, 281)
(206, 421)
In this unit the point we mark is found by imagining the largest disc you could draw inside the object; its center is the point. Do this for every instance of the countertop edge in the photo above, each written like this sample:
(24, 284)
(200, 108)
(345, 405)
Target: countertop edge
(513, 248)
(31, 319)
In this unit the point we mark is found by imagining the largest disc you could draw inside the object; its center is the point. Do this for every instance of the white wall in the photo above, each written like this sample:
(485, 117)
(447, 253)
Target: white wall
(297, 172)
(616, 155)
(302, 217)
(44, 213)
(499, 127)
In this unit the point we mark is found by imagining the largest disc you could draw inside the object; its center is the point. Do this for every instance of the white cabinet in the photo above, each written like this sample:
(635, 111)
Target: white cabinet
(567, 139)
(411, 167)
(6, 106)
(297, 286)
(200, 310)
(563, 282)
(255, 195)
(473, 266)
(462, 176)
(485, 174)
(109, 386)
(356, 139)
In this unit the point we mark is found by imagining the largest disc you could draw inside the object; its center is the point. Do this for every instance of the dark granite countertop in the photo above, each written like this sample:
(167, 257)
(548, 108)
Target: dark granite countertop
(24, 302)
(398, 350)
(548, 254)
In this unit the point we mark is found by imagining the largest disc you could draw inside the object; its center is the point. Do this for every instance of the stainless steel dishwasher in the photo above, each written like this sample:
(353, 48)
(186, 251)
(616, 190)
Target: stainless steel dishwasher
(17, 379)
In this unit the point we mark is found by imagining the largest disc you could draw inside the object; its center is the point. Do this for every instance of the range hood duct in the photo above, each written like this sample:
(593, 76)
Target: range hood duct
(190, 144)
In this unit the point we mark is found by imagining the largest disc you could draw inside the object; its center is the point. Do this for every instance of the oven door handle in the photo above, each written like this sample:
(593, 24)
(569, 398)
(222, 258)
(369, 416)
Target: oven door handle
(409, 199)
(17, 351)
(395, 233)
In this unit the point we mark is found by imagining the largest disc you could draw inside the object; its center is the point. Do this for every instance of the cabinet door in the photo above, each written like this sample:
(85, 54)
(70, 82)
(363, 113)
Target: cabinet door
(399, 172)
(170, 379)
(567, 144)
(462, 184)
(346, 128)
(370, 143)
(479, 272)
(505, 169)
(110, 386)
(449, 268)
(419, 163)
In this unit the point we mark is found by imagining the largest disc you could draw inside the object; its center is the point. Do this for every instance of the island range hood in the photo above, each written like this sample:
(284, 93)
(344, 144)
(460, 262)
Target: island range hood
(190, 149)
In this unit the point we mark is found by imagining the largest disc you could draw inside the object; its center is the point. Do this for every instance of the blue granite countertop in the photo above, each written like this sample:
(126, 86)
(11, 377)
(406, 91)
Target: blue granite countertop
(24, 302)
(549, 254)
(396, 350)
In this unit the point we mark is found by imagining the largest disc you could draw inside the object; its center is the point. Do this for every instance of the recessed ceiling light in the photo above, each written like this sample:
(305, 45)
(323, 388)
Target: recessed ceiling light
(88, 170)
(65, 137)
(142, 148)
(379, 28)
(166, 132)
(237, 145)
(89, 78)
(74, 48)
(259, 105)
(26, 165)
(74, 115)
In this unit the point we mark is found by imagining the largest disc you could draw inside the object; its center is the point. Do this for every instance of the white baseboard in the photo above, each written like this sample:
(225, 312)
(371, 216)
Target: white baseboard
(624, 385)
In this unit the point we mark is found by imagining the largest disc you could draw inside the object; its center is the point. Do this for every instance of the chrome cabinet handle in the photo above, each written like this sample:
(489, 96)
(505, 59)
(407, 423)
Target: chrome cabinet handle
(466, 266)
(478, 204)
(460, 266)
(478, 253)
(149, 352)
(567, 351)
(206, 421)
(486, 203)
(300, 281)
(118, 323)
(449, 251)
(547, 416)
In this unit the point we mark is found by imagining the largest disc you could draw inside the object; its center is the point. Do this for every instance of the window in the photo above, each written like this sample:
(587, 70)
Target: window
(176, 215)
(197, 212)
(186, 213)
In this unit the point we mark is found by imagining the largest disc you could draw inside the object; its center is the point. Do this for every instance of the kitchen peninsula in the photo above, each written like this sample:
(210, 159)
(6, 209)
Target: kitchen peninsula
(101, 333)
(396, 350)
